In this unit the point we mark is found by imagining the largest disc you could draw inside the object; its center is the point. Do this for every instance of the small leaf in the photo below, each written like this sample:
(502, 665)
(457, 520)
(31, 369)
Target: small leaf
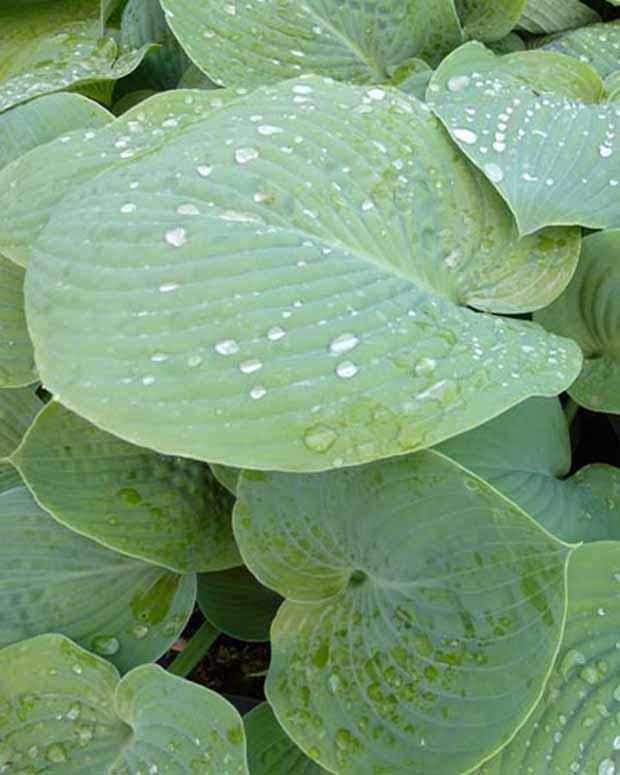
(423, 612)
(54, 580)
(589, 312)
(45, 119)
(241, 44)
(550, 156)
(574, 729)
(270, 750)
(320, 317)
(65, 710)
(166, 510)
(237, 604)
(526, 455)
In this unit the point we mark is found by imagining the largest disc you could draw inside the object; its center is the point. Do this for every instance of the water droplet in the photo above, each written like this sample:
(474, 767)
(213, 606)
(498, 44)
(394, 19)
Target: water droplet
(148, 380)
(276, 333)
(105, 645)
(466, 136)
(204, 170)
(194, 360)
(605, 151)
(250, 366)
(376, 94)
(159, 357)
(267, 130)
(188, 209)
(601, 612)
(129, 207)
(176, 237)
(343, 344)
(77, 669)
(458, 82)
(140, 631)
(167, 287)
(346, 369)
(320, 438)
(494, 172)
(606, 767)
(56, 753)
(367, 205)
(425, 366)
(257, 392)
(244, 155)
(74, 711)
(227, 347)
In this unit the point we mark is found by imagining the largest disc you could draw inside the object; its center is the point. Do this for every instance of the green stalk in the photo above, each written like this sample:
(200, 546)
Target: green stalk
(197, 646)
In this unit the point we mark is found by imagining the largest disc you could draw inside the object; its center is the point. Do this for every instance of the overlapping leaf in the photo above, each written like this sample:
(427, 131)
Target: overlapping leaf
(589, 312)
(51, 46)
(65, 710)
(597, 44)
(270, 750)
(490, 21)
(318, 285)
(526, 454)
(54, 580)
(574, 729)
(237, 604)
(423, 612)
(528, 121)
(252, 43)
(164, 509)
(542, 16)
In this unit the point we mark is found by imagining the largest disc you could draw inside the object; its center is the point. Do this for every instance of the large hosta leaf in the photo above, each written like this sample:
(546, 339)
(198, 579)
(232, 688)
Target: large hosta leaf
(42, 177)
(167, 510)
(526, 120)
(423, 611)
(556, 16)
(589, 312)
(271, 751)
(44, 119)
(597, 44)
(65, 711)
(318, 286)
(575, 728)
(237, 604)
(248, 44)
(526, 454)
(54, 45)
(54, 580)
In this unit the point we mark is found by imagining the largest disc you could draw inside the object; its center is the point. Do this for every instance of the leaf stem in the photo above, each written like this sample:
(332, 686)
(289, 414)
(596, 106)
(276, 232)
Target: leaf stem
(196, 648)
(570, 411)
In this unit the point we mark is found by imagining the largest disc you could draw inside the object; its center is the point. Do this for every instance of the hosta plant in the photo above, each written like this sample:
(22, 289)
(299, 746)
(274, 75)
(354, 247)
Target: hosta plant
(310, 364)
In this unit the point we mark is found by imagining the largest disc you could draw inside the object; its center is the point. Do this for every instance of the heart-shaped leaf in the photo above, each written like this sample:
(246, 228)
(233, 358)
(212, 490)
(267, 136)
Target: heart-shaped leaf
(168, 510)
(540, 16)
(237, 604)
(244, 44)
(315, 312)
(526, 455)
(574, 729)
(44, 119)
(589, 312)
(597, 44)
(55, 45)
(527, 121)
(43, 176)
(54, 580)
(65, 710)
(270, 750)
(423, 611)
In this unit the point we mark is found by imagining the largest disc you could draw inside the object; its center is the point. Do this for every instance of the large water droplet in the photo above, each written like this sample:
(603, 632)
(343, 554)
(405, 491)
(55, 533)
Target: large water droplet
(244, 155)
(257, 392)
(465, 136)
(343, 344)
(106, 645)
(458, 82)
(275, 333)
(227, 347)
(176, 237)
(346, 369)
(250, 366)
(320, 438)
(494, 172)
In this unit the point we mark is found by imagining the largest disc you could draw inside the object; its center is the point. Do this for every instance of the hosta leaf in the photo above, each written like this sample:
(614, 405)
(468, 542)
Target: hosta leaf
(490, 20)
(65, 710)
(423, 611)
(164, 509)
(18, 408)
(55, 45)
(612, 86)
(508, 45)
(108, 7)
(227, 476)
(16, 355)
(54, 580)
(237, 604)
(540, 16)
(574, 729)
(251, 43)
(413, 77)
(270, 750)
(194, 78)
(526, 455)
(598, 45)
(144, 22)
(589, 312)
(42, 120)
(42, 177)
(551, 157)
(318, 286)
